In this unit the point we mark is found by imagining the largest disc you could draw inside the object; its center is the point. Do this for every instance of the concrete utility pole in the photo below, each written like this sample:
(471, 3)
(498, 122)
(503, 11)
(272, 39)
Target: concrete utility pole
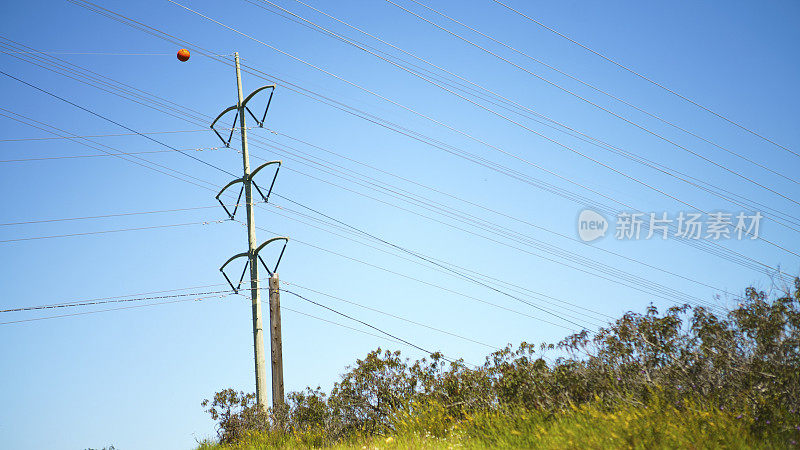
(255, 292)
(275, 339)
(252, 254)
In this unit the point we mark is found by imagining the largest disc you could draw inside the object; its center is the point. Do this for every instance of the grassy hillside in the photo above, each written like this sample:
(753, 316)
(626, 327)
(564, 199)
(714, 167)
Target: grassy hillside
(685, 378)
(589, 426)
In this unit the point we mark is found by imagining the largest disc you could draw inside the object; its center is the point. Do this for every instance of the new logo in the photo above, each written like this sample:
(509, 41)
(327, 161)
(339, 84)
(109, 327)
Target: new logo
(591, 225)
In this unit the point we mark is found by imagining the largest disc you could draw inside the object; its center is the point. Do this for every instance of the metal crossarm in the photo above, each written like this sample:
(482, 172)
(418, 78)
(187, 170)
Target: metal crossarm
(238, 199)
(242, 180)
(255, 255)
(280, 256)
(244, 107)
(272, 184)
(226, 111)
(222, 269)
(269, 100)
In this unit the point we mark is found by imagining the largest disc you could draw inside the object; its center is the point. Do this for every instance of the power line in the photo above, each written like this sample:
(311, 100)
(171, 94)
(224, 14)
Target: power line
(362, 322)
(114, 89)
(369, 308)
(696, 183)
(592, 321)
(655, 116)
(65, 157)
(217, 167)
(561, 127)
(65, 219)
(184, 174)
(618, 64)
(112, 230)
(358, 330)
(461, 216)
(428, 259)
(200, 296)
(204, 130)
(140, 294)
(383, 185)
(107, 310)
(94, 53)
(427, 283)
(641, 127)
(711, 247)
(103, 302)
(571, 149)
(5, 241)
(344, 315)
(322, 226)
(110, 120)
(127, 299)
(509, 234)
(138, 160)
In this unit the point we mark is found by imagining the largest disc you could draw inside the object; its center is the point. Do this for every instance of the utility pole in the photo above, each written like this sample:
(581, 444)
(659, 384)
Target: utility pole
(275, 340)
(253, 248)
(255, 291)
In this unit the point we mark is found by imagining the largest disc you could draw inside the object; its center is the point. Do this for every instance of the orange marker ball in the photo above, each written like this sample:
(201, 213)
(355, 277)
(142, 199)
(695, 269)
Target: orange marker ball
(183, 55)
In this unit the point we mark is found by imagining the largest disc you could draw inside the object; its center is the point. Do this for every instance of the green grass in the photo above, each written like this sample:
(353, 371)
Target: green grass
(658, 425)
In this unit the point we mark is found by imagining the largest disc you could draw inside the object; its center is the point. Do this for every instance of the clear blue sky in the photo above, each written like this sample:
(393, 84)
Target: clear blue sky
(135, 378)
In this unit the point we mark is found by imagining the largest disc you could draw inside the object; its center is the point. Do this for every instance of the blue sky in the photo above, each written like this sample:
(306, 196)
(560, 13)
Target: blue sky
(135, 377)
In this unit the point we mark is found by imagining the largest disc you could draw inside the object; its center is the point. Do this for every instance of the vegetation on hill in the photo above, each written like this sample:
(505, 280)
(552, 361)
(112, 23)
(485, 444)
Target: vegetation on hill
(686, 377)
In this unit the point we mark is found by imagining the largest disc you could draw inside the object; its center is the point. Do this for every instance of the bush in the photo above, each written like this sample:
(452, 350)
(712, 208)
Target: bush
(237, 414)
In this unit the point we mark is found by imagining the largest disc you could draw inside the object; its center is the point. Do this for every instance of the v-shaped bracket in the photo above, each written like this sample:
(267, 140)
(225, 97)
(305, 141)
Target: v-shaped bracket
(256, 253)
(236, 107)
(249, 178)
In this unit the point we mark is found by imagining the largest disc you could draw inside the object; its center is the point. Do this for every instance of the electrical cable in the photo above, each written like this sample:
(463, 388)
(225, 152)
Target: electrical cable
(110, 120)
(369, 308)
(105, 310)
(204, 130)
(620, 65)
(695, 182)
(560, 126)
(88, 233)
(383, 185)
(655, 116)
(363, 323)
(361, 331)
(546, 258)
(592, 321)
(221, 169)
(523, 291)
(106, 301)
(103, 216)
(95, 53)
(138, 160)
(571, 149)
(710, 247)
(408, 277)
(427, 259)
(66, 157)
(218, 168)
(139, 294)
(641, 127)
